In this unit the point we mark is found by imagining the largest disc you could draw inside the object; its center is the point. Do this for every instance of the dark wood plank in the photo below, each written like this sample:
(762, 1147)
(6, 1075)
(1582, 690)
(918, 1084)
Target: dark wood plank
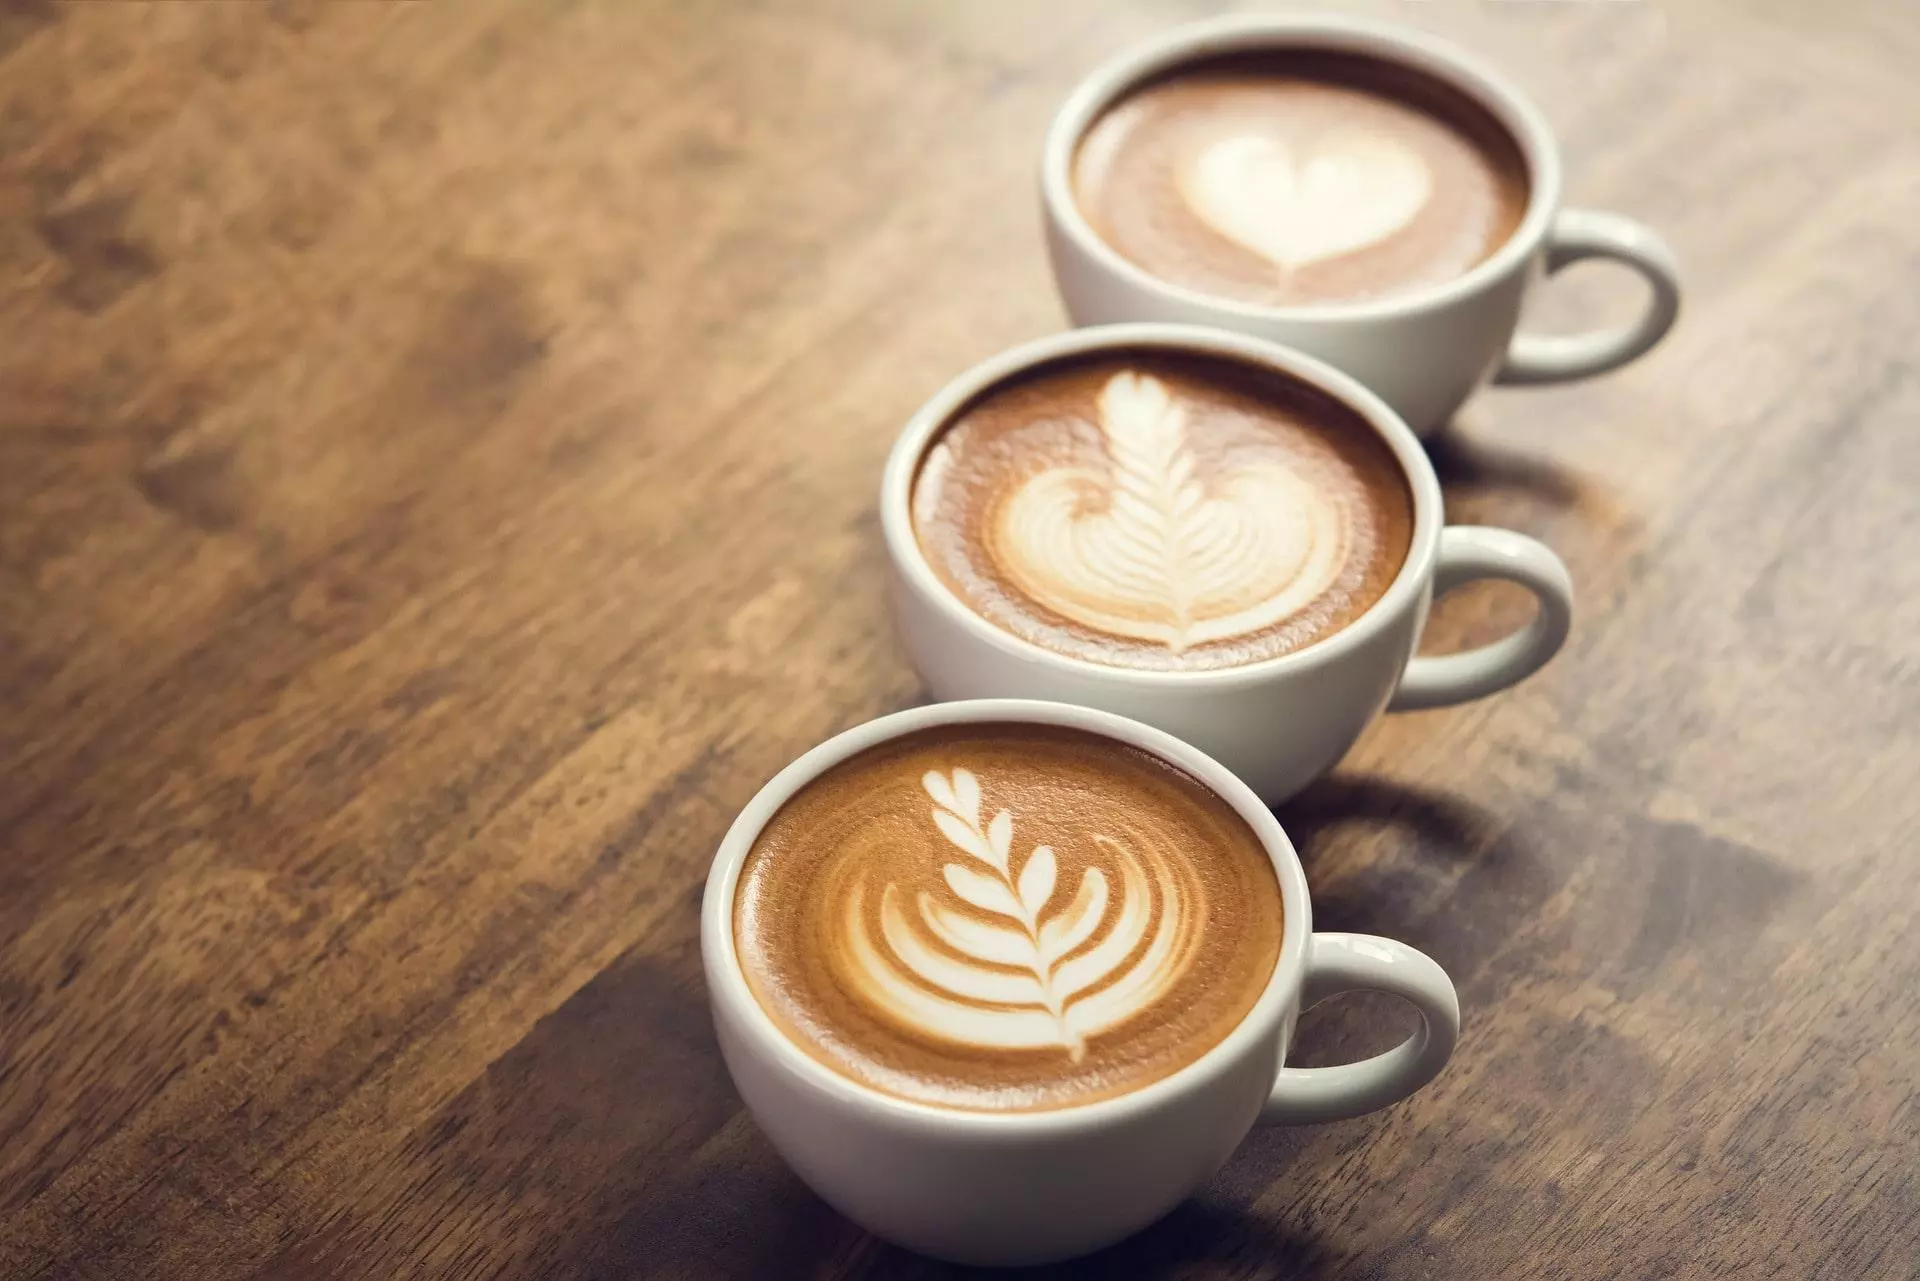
(437, 453)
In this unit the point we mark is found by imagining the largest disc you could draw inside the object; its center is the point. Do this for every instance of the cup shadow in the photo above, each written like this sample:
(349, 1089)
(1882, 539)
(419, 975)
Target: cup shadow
(1490, 482)
(1197, 1234)
(1424, 866)
(1439, 823)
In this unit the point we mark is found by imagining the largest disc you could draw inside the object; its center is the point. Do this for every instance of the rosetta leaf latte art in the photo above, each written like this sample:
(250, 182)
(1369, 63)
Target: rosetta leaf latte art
(1010, 961)
(1150, 549)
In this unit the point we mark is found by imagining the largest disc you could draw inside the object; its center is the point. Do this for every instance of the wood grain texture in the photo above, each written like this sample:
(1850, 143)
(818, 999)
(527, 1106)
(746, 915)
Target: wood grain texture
(437, 458)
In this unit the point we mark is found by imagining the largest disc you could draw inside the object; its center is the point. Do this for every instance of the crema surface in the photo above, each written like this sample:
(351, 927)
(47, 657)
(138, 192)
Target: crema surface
(1006, 917)
(1303, 179)
(1162, 511)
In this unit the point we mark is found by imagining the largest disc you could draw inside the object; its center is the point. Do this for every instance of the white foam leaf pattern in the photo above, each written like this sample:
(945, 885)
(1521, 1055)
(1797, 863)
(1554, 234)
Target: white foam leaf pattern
(983, 892)
(1021, 978)
(1000, 839)
(971, 936)
(966, 795)
(1067, 931)
(1353, 190)
(955, 829)
(1037, 878)
(940, 789)
(1162, 559)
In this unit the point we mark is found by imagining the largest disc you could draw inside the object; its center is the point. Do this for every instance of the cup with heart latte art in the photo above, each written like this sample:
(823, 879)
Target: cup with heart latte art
(1360, 191)
(1216, 535)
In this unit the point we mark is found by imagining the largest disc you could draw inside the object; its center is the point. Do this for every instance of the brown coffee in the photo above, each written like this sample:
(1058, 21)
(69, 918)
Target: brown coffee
(1299, 178)
(1006, 917)
(1165, 511)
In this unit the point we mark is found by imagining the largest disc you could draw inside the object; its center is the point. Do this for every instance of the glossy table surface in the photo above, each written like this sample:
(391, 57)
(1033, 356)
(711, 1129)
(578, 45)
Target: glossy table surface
(438, 449)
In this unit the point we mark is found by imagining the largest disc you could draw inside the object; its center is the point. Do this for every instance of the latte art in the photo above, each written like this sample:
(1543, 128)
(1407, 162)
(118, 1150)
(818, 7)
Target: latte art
(1350, 191)
(1158, 512)
(1029, 965)
(1147, 551)
(1300, 178)
(1006, 917)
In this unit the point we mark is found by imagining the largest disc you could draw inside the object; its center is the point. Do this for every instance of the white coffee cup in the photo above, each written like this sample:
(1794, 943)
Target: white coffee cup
(1029, 1187)
(1424, 351)
(1277, 723)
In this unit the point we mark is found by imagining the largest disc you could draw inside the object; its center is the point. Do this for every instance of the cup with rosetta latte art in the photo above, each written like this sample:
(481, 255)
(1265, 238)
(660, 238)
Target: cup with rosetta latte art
(1005, 981)
(1355, 189)
(1216, 535)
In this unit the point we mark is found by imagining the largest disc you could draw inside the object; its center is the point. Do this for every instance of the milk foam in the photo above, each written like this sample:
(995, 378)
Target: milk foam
(1006, 917)
(1146, 549)
(1303, 179)
(1007, 958)
(1295, 206)
(1164, 513)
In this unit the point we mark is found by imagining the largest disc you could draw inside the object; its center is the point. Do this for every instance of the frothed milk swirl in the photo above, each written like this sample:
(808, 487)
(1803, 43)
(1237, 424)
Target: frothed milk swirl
(1006, 917)
(1165, 512)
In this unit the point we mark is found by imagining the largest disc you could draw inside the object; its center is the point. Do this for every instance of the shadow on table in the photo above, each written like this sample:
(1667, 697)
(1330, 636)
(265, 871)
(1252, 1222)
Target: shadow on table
(1472, 469)
(1427, 867)
(1437, 823)
(1488, 482)
(1197, 1234)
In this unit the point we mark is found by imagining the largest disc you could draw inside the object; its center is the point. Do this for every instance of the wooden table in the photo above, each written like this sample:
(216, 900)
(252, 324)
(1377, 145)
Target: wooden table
(438, 448)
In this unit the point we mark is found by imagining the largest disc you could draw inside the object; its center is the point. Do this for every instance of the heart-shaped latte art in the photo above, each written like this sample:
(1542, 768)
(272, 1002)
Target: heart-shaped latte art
(1352, 190)
(1144, 550)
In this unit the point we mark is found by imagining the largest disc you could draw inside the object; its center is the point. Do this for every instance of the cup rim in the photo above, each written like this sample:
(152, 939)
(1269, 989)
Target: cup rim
(1386, 41)
(727, 985)
(910, 562)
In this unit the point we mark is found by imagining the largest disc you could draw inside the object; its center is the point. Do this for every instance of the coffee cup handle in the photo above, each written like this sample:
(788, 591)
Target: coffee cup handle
(1338, 963)
(1578, 234)
(1469, 553)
